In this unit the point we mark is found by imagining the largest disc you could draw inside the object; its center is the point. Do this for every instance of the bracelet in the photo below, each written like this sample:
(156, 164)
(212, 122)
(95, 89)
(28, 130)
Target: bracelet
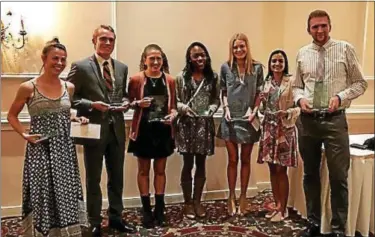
(225, 106)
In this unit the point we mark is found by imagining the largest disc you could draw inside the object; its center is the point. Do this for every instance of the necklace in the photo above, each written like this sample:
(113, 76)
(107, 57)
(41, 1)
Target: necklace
(241, 76)
(153, 81)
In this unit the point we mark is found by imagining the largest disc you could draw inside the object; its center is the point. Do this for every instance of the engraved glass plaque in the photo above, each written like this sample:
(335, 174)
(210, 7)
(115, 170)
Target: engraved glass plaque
(200, 105)
(236, 109)
(157, 108)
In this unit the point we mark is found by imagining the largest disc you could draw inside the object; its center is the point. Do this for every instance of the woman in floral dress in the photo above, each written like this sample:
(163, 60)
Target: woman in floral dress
(52, 193)
(278, 143)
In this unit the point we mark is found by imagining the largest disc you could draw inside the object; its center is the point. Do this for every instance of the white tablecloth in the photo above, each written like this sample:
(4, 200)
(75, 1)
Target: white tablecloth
(360, 186)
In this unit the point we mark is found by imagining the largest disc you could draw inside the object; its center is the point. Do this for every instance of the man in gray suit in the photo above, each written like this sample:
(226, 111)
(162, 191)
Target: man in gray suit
(100, 95)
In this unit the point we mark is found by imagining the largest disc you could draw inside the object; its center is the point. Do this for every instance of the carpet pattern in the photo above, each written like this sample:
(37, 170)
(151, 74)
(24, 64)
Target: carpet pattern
(216, 223)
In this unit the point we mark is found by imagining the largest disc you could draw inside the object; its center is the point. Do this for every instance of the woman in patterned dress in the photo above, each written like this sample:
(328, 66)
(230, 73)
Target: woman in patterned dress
(241, 82)
(278, 143)
(153, 98)
(52, 193)
(197, 101)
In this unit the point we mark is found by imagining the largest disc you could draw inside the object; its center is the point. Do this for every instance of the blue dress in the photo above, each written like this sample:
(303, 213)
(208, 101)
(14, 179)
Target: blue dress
(241, 96)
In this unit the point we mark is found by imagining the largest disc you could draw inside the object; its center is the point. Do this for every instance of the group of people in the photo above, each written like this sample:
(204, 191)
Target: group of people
(172, 113)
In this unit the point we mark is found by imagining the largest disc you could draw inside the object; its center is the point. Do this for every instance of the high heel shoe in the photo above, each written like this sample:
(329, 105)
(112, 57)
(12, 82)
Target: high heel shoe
(243, 207)
(231, 204)
(286, 213)
(278, 217)
(270, 214)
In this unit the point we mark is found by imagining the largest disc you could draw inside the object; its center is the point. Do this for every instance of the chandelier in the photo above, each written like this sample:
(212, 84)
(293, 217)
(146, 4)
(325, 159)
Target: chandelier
(9, 40)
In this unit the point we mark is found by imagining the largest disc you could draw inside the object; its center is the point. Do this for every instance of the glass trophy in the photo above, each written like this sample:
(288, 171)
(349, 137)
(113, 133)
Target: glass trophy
(237, 112)
(157, 111)
(200, 107)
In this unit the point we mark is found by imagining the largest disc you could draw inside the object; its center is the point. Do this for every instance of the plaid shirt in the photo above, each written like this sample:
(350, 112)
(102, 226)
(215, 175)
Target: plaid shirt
(343, 75)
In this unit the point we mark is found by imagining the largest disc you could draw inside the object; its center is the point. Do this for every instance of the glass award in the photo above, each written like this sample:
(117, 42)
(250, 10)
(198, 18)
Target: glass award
(157, 110)
(200, 106)
(237, 112)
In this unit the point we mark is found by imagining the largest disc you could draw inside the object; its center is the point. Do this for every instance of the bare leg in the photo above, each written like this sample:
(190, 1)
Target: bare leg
(159, 175)
(232, 149)
(275, 185)
(246, 150)
(143, 176)
(283, 187)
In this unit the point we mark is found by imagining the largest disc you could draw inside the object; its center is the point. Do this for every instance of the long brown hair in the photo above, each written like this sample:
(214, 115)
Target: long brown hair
(249, 61)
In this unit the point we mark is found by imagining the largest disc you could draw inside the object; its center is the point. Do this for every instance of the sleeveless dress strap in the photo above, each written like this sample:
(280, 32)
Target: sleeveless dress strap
(34, 86)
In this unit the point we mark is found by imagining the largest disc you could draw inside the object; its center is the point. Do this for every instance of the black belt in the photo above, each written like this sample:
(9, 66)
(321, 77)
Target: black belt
(321, 114)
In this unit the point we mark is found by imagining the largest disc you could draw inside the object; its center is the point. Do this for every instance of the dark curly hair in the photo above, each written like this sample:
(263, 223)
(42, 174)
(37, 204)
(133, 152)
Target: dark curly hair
(165, 66)
(286, 69)
(189, 67)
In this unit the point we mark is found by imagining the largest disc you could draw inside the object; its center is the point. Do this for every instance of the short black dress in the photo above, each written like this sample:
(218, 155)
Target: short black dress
(154, 137)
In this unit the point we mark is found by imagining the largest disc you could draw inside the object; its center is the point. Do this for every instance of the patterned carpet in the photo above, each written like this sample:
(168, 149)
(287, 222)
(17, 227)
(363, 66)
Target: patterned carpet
(217, 223)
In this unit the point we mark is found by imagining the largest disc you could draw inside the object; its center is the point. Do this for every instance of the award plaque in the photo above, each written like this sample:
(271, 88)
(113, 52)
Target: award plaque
(200, 106)
(237, 112)
(157, 111)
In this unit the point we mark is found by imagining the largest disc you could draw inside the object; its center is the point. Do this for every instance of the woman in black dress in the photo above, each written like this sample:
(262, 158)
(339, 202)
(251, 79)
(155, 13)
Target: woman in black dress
(152, 95)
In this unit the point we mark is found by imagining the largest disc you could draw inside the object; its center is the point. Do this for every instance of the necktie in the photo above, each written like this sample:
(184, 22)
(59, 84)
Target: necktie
(320, 93)
(107, 76)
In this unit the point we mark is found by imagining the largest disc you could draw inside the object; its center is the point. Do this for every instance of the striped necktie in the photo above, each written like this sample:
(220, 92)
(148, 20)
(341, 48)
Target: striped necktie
(107, 76)
(320, 92)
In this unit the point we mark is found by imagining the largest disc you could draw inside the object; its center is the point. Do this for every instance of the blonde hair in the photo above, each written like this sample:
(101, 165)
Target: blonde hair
(248, 60)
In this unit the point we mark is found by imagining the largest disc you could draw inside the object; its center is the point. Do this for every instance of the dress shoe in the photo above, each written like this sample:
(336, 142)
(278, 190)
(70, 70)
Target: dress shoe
(122, 226)
(338, 235)
(96, 231)
(311, 231)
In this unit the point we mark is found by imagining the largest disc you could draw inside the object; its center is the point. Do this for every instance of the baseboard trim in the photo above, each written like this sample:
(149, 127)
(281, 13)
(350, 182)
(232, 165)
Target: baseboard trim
(129, 202)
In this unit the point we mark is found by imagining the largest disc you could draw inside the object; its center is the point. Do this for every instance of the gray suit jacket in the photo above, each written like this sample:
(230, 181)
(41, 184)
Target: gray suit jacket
(89, 87)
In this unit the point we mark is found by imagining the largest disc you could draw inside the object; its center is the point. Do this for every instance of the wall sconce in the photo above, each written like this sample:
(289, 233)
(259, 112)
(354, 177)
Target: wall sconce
(7, 38)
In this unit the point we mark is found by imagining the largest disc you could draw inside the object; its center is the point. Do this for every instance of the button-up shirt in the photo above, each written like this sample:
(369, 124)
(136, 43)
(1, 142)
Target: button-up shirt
(101, 62)
(343, 75)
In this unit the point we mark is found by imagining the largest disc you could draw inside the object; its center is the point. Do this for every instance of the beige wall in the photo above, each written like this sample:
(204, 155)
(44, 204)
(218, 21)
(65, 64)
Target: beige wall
(269, 25)
(368, 59)
(174, 25)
